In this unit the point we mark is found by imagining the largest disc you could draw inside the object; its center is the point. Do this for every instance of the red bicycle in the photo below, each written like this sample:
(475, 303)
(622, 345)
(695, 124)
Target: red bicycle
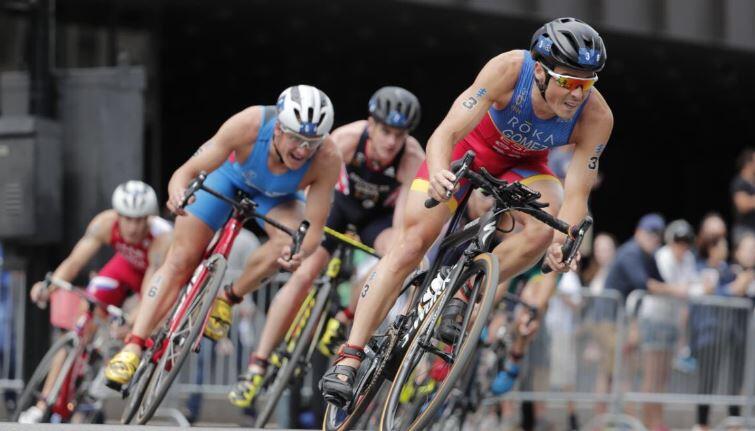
(62, 380)
(182, 332)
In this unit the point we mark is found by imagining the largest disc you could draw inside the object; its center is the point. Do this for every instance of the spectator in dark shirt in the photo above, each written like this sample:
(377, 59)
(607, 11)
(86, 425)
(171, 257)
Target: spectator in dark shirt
(743, 195)
(634, 267)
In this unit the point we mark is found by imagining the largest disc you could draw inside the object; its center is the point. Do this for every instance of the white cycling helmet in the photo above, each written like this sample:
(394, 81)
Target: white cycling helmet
(306, 111)
(135, 199)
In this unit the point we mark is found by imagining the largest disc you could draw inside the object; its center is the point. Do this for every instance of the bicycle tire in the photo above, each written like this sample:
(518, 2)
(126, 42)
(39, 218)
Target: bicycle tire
(29, 396)
(282, 378)
(143, 377)
(162, 378)
(483, 263)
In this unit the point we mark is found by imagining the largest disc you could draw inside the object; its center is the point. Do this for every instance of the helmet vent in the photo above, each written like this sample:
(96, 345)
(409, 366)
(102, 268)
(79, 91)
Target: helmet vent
(298, 115)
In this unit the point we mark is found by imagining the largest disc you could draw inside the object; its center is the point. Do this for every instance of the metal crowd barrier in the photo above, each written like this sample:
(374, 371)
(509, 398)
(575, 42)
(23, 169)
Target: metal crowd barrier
(655, 350)
(575, 355)
(12, 315)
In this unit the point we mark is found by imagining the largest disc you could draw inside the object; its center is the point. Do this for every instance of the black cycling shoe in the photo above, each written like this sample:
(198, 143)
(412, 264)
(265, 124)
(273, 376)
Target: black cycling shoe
(449, 330)
(335, 390)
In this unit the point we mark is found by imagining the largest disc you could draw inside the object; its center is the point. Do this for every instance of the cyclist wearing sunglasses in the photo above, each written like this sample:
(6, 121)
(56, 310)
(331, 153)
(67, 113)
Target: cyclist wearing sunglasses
(271, 153)
(380, 161)
(140, 240)
(522, 104)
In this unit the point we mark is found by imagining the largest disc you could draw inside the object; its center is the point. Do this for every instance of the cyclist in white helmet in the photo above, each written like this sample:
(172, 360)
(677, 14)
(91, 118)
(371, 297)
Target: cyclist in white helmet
(140, 240)
(271, 153)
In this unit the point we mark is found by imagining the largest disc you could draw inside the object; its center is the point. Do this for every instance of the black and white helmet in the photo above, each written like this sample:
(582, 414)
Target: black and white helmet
(135, 199)
(395, 107)
(306, 111)
(570, 43)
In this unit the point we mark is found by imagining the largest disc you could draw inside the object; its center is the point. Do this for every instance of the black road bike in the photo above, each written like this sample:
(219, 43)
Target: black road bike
(405, 350)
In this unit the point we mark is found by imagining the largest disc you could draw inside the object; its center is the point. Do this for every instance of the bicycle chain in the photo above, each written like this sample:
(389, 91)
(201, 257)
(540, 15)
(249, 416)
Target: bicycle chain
(393, 338)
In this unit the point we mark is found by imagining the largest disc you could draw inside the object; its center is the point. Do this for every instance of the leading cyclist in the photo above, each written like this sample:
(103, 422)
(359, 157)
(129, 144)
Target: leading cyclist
(522, 104)
(269, 152)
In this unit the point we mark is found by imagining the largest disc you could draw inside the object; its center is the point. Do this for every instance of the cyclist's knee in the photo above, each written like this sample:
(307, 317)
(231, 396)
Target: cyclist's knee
(410, 248)
(180, 262)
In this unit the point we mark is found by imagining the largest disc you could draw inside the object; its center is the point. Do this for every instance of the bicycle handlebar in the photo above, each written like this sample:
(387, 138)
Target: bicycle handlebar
(521, 198)
(247, 206)
(111, 309)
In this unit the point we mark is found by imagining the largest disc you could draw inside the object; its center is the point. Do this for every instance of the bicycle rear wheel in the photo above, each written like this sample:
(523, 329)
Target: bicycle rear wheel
(34, 387)
(180, 343)
(428, 358)
(304, 342)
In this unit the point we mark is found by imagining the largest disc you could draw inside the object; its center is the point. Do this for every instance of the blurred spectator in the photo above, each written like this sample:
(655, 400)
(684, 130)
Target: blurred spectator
(743, 195)
(712, 226)
(604, 251)
(675, 260)
(599, 315)
(635, 268)
(561, 322)
(718, 337)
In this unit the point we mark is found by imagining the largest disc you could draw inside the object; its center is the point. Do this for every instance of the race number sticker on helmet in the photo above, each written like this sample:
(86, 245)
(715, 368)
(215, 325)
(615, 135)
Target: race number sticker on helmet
(305, 110)
(135, 199)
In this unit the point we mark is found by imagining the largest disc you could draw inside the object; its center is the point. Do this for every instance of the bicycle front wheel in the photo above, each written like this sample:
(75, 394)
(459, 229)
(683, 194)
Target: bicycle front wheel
(34, 389)
(431, 368)
(306, 339)
(179, 343)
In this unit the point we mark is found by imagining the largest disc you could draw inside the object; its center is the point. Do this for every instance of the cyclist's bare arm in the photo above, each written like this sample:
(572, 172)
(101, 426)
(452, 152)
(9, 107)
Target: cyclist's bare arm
(590, 138)
(234, 135)
(320, 193)
(97, 234)
(407, 170)
(493, 84)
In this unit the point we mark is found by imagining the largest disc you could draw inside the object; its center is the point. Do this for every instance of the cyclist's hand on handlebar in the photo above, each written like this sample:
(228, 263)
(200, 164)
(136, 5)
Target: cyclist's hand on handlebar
(39, 294)
(176, 193)
(554, 257)
(441, 185)
(288, 262)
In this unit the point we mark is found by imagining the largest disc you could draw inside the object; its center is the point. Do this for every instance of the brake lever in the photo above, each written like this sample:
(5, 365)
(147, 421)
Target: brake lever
(463, 165)
(194, 186)
(572, 243)
(298, 238)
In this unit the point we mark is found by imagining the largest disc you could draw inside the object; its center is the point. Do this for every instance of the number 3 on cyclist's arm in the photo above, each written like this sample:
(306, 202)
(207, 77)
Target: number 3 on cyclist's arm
(466, 112)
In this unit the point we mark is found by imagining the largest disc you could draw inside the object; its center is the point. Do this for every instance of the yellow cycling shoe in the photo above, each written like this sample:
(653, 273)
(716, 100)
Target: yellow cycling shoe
(121, 369)
(220, 320)
(249, 385)
(332, 338)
